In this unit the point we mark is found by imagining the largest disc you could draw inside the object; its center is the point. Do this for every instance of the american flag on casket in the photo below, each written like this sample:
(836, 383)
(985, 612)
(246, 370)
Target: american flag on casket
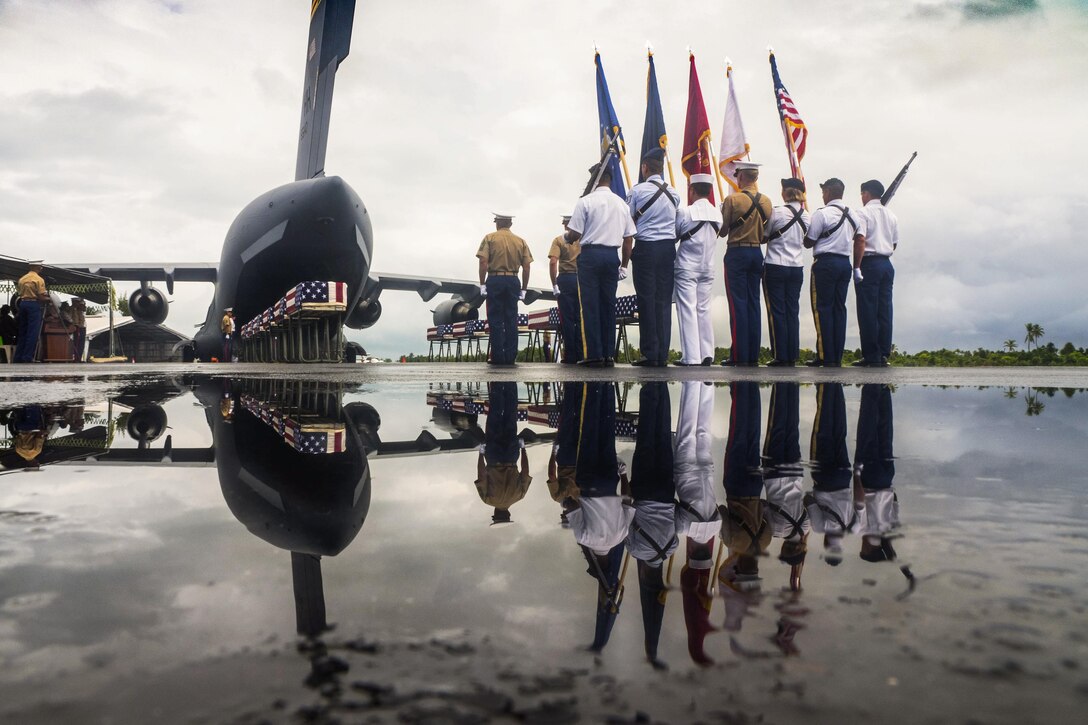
(523, 320)
(542, 320)
(315, 293)
(279, 310)
(444, 330)
(477, 326)
(266, 317)
(547, 415)
(306, 439)
(625, 428)
(554, 318)
(627, 306)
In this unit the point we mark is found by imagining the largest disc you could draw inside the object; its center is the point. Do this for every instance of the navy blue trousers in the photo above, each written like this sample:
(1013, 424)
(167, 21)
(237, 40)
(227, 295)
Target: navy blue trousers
(653, 276)
(501, 432)
(830, 457)
(874, 300)
(597, 471)
(652, 462)
(570, 316)
(30, 329)
(743, 478)
(598, 276)
(743, 274)
(502, 317)
(830, 283)
(782, 290)
(782, 444)
(874, 437)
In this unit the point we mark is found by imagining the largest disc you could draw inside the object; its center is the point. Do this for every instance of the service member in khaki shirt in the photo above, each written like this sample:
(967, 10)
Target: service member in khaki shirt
(502, 254)
(32, 298)
(226, 325)
(564, 272)
(744, 214)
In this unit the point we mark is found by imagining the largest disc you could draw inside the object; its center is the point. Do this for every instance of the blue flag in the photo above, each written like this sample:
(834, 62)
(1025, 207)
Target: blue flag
(653, 132)
(609, 125)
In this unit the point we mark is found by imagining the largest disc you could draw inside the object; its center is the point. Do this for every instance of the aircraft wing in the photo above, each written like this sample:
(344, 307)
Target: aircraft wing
(428, 287)
(139, 272)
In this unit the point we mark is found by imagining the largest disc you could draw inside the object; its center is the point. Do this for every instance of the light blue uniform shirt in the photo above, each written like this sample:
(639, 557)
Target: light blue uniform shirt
(659, 221)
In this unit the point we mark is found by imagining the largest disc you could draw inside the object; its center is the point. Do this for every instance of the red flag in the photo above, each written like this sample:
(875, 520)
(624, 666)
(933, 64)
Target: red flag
(696, 133)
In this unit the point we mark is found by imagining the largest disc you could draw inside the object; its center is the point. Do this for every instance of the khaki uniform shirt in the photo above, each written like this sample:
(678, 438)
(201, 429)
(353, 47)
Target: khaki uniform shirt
(31, 286)
(567, 254)
(504, 252)
(227, 325)
(503, 486)
(749, 233)
(79, 317)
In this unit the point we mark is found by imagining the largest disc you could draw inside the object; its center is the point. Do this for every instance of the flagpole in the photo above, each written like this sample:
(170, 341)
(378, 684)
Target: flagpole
(714, 163)
(623, 163)
(668, 156)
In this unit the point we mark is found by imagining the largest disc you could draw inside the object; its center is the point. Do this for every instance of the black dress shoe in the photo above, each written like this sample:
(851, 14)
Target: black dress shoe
(661, 364)
(728, 364)
(707, 362)
(568, 362)
(863, 363)
(643, 363)
(592, 363)
(814, 364)
(832, 365)
(610, 362)
(780, 364)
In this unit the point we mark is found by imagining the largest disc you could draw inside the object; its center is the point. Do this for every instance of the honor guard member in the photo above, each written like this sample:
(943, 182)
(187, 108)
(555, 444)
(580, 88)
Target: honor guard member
(563, 268)
(831, 236)
(874, 276)
(226, 326)
(831, 505)
(744, 218)
(783, 272)
(32, 299)
(601, 223)
(697, 229)
(502, 468)
(502, 255)
(653, 206)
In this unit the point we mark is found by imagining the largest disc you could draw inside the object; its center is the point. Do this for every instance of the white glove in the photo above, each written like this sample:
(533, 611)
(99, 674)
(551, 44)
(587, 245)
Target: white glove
(481, 448)
(521, 443)
(483, 290)
(555, 289)
(621, 468)
(623, 272)
(521, 295)
(857, 275)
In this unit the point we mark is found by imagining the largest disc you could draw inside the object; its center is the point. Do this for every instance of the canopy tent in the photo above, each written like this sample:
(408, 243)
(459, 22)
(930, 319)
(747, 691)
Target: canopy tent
(61, 279)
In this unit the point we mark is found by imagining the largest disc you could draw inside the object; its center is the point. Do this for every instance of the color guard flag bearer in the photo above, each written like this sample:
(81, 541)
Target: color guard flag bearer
(653, 131)
(793, 128)
(698, 158)
(734, 143)
(609, 125)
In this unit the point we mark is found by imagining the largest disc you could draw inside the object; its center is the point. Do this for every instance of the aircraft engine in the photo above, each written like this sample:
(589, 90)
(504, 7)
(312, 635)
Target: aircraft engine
(148, 305)
(364, 315)
(146, 423)
(455, 310)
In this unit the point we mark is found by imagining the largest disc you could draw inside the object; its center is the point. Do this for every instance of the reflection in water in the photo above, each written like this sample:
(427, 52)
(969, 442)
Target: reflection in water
(835, 510)
(502, 475)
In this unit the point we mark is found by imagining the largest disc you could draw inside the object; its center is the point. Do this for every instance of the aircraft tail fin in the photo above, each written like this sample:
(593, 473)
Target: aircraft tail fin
(328, 45)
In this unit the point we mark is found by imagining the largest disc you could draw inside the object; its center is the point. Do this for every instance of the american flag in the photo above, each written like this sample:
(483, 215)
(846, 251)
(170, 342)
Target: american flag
(320, 442)
(523, 320)
(625, 428)
(627, 306)
(553, 318)
(315, 292)
(266, 317)
(793, 128)
(541, 320)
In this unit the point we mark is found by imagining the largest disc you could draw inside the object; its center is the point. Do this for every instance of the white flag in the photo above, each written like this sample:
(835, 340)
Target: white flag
(734, 143)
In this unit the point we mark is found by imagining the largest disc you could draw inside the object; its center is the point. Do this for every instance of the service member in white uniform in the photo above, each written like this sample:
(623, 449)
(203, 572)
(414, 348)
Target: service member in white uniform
(874, 276)
(602, 223)
(783, 273)
(697, 230)
(831, 237)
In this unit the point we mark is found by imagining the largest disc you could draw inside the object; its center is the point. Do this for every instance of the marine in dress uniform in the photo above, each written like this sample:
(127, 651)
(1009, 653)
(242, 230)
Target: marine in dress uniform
(501, 481)
(697, 230)
(874, 276)
(698, 518)
(783, 273)
(601, 222)
(874, 473)
(653, 205)
(745, 528)
(744, 217)
(32, 299)
(831, 236)
(831, 504)
(652, 538)
(502, 255)
(563, 267)
(226, 326)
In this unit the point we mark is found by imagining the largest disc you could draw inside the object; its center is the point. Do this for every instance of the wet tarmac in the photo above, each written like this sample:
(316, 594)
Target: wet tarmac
(457, 543)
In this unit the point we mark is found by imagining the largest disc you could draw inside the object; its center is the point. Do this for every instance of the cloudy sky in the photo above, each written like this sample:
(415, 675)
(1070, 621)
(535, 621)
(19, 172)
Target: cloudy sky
(135, 130)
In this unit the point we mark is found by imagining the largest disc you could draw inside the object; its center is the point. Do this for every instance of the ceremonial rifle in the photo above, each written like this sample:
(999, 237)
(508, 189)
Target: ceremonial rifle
(897, 181)
(612, 149)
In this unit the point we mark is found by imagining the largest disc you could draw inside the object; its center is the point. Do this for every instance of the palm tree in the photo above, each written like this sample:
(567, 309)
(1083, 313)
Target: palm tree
(1034, 405)
(1010, 344)
(1034, 333)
